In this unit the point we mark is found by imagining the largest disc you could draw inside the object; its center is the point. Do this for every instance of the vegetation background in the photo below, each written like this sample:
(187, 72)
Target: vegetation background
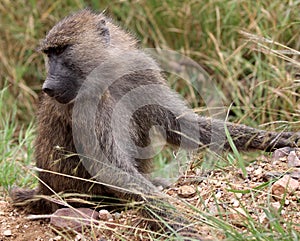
(258, 73)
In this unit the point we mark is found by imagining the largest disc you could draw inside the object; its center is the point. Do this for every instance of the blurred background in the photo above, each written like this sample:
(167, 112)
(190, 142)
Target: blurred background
(257, 73)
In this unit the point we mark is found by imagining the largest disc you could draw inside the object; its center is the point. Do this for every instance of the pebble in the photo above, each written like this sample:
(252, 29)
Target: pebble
(7, 233)
(73, 219)
(219, 194)
(239, 195)
(235, 202)
(262, 218)
(104, 215)
(258, 171)
(79, 237)
(57, 238)
(293, 160)
(276, 205)
(186, 191)
(282, 152)
(117, 216)
(295, 173)
(284, 185)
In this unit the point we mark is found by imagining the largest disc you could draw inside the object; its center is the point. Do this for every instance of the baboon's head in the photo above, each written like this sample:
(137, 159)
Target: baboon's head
(74, 47)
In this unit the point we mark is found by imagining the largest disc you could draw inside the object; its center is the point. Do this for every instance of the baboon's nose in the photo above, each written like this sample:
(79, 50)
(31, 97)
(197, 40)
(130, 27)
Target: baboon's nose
(49, 92)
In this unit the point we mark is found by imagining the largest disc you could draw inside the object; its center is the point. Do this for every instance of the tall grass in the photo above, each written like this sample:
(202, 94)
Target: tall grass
(16, 146)
(262, 87)
(208, 31)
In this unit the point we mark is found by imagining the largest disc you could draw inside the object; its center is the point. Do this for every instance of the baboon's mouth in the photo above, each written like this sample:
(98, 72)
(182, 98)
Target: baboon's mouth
(64, 97)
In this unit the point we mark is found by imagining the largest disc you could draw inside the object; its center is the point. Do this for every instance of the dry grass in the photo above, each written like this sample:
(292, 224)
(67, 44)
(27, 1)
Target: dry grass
(208, 31)
(257, 73)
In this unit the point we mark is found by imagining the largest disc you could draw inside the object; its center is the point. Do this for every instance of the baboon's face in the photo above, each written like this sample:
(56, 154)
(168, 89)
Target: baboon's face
(64, 77)
(74, 47)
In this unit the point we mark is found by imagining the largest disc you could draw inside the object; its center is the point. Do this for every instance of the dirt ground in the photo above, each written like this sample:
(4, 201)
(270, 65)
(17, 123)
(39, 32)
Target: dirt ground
(271, 185)
(15, 226)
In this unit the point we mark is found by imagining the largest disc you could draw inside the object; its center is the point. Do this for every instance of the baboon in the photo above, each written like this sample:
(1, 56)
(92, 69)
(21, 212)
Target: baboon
(75, 47)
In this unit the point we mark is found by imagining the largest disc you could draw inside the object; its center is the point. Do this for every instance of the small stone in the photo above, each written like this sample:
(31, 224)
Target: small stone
(258, 171)
(235, 202)
(186, 191)
(295, 173)
(263, 218)
(73, 219)
(293, 160)
(218, 194)
(212, 209)
(117, 215)
(280, 153)
(78, 237)
(104, 215)
(286, 202)
(272, 175)
(7, 233)
(286, 184)
(239, 195)
(276, 205)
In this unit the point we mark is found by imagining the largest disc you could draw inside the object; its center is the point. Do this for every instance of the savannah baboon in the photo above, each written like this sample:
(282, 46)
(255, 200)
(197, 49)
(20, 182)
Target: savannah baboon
(75, 47)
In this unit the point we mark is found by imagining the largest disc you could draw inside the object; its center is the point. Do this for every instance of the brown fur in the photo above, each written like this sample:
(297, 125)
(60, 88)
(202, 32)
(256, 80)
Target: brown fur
(54, 144)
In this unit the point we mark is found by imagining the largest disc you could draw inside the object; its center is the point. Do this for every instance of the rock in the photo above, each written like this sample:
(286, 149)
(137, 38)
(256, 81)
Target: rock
(73, 219)
(57, 238)
(286, 184)
(7, 233)
(235, 202)
(263, 218)
(258, 171)
(186, 191)
(218, 194)
(295, 173)
(286, 202)
(117, 216)
(280, 153)
(272, 175)
(293, 160)
(79, 237)
(104, 215)
(275, 205)
(212, 209)
(239, 195)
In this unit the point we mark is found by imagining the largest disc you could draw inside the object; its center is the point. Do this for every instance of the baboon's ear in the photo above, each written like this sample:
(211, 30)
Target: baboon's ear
(104, 31)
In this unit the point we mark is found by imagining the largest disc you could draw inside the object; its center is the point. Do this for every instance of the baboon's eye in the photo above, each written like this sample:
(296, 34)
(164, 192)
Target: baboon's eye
(55, 50)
